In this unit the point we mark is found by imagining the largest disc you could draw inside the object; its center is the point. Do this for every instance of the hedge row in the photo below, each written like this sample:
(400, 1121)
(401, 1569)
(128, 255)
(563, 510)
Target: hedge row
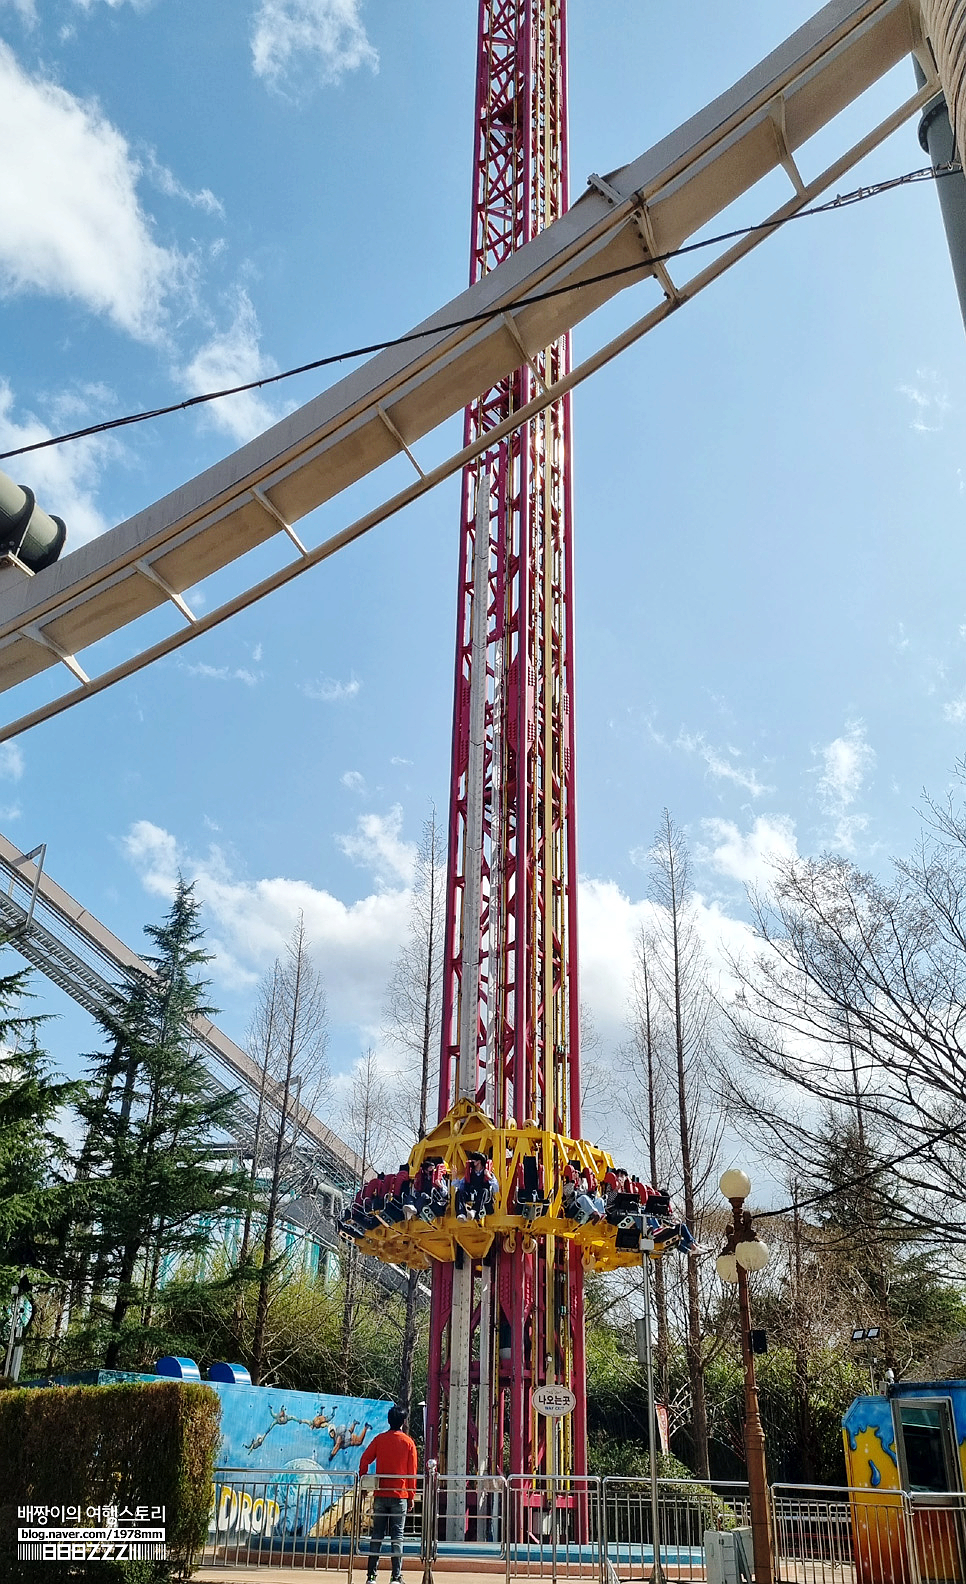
(137, 1445)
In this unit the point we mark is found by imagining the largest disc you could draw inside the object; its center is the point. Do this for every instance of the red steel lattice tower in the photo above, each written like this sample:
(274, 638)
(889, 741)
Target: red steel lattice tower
(510, 1012)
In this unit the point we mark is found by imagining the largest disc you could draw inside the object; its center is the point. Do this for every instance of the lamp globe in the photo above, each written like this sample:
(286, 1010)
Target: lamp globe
(752, 1255)
(735, 1184)
(727, 1267)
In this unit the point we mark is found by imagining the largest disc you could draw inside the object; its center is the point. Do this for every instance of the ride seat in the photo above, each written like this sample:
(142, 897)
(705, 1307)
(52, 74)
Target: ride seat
(530, 1201)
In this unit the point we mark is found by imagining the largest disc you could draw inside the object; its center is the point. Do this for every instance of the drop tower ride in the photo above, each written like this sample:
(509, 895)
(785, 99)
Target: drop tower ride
(514, 1319)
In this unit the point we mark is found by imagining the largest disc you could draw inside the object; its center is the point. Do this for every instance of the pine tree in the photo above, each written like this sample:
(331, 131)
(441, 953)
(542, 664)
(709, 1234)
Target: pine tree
(151, 1174)
(34, 1189)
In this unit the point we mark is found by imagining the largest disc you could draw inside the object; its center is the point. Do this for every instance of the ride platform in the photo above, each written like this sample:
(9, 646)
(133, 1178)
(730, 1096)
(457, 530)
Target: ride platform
(466, 1130)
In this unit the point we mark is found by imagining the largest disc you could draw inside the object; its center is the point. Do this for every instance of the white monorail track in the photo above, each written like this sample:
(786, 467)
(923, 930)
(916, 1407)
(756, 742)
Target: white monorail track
(644, 210)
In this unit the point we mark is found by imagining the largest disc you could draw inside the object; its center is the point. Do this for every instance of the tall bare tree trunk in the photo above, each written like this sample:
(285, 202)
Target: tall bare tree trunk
(367, 1118)
(646, 1035)
(261, 1038)
(689, 1017)
(413, 1014)
(298, 1016)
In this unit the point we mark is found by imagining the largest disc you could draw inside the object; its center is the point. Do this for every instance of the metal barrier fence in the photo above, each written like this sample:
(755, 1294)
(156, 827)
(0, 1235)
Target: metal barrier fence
(686, 1510)
(467, 1511)
(555, 1526)
(938, 1532)
(527, 1526)
(834, 1535)
(283, 1515)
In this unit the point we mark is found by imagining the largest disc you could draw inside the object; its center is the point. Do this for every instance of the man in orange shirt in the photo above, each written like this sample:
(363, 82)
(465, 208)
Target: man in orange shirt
(394, 1454)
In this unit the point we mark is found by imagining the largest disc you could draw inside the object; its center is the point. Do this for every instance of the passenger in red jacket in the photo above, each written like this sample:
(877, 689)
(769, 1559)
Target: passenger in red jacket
(394, 1454)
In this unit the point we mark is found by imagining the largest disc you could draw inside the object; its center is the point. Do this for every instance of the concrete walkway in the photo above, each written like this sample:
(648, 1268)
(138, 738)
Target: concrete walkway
(450, 1571)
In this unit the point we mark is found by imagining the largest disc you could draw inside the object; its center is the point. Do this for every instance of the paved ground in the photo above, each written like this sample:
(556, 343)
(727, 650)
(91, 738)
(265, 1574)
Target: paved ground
(450, 1570)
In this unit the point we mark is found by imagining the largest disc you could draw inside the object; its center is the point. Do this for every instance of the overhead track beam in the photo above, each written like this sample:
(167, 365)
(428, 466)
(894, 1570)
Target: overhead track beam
(629, 218)
(81, 955)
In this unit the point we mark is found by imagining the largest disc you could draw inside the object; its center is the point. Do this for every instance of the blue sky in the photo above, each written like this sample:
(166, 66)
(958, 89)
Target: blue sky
(769, 488)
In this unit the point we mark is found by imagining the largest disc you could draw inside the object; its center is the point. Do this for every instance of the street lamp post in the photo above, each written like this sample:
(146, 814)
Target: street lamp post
(646, 1357)
(744, 1252)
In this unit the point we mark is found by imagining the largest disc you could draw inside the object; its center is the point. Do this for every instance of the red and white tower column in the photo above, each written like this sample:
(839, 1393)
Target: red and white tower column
(510, 1014)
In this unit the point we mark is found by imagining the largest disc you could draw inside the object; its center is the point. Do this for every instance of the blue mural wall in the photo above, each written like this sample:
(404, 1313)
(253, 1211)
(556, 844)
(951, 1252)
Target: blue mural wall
(292, 1457)
(287, 1461)
(263, 1428)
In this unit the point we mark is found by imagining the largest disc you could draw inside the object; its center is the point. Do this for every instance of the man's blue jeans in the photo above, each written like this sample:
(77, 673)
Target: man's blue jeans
(388, 1512)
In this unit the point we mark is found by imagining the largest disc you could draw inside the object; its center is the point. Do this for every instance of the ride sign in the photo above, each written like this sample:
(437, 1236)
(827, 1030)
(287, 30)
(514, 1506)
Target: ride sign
(554, 1402)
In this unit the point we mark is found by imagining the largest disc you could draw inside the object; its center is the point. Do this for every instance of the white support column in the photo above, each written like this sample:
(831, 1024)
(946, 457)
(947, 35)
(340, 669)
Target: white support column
(473, 861)
(458, 1419)
(461, 1325)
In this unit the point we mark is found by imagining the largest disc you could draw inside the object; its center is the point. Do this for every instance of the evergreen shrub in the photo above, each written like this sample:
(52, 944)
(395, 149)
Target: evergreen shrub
(145, 1444)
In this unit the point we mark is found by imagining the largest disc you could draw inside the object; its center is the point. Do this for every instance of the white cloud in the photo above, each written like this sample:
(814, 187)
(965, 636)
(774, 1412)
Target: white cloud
(749, 858)
(250, 922)
(609, 925)
(353, 780)
(167, 182)
(234, 357)
(222, 673)
(845, 763)
(72, 222)
(929, 399)
(302, 42)
(955, 710)
(722, 764)
(330, 691)
(64, 478)
(398, 760)
(154, 852)
(377, 846)
(26, 8)
(11, 761)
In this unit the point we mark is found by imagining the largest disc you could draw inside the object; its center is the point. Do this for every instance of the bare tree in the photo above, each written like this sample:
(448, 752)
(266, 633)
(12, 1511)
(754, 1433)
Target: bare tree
(414, 995)
(678, 976)
(368, 1129)
(292, 1018)
(852, 1011)
(650, 1105)
(413, 1012)
(261, 1039)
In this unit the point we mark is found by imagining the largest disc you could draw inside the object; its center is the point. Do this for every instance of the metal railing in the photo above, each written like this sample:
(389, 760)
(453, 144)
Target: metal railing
(540, 1526)
(471, 1511)
(280, 1516)
(937, 1525)
(834, 1535)
(555, 1526)
(686, 1510)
